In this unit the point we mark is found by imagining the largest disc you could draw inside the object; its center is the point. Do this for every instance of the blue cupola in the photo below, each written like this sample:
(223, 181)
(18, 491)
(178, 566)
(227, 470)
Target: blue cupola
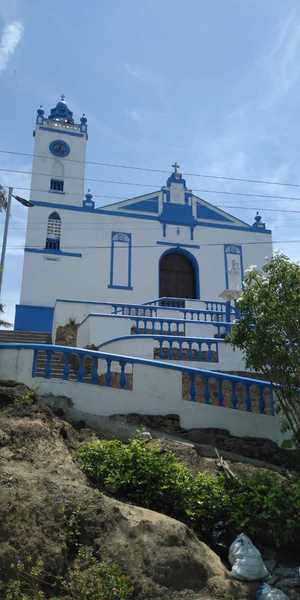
(61, 112)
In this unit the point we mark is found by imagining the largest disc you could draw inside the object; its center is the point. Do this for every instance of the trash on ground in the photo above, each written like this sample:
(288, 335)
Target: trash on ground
(246, 560)
(266, 592)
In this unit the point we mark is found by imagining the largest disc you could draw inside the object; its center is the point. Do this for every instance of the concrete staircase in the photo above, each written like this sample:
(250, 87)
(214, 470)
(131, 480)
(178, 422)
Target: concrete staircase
(24, 337)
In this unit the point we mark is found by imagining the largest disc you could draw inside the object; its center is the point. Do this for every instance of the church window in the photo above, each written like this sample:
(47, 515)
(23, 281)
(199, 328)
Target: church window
(56, 185)
(120, 260)
(53, 232)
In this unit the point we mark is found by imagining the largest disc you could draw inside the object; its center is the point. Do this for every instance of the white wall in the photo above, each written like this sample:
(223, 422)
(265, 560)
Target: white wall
(156, 391)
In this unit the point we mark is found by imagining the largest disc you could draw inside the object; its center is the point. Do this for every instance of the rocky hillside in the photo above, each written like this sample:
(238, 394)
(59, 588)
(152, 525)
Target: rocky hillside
(48, 507)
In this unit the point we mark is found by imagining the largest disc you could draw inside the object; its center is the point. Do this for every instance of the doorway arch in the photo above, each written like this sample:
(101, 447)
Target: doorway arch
(178, 275)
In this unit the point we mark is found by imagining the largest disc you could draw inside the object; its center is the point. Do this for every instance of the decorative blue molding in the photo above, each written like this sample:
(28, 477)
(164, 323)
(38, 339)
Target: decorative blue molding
(177, 214)
(233, 249)
(148, 205)
(204, 212)
(50, 251)
(114, 213)
(179, 250)
(64, 132)
(178, 245)
(34, 318)
(118, 236)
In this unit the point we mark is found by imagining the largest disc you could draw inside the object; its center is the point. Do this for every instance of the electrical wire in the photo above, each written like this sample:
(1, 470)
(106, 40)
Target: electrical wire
(150, 170)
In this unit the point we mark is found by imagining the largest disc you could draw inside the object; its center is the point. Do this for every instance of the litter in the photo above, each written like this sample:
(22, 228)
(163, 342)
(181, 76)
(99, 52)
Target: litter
(266, 592)
(246, 560)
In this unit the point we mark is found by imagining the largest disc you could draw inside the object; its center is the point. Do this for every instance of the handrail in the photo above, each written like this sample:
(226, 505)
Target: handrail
(130, 359)
(98, 371)
(225, 324)
(173, 338)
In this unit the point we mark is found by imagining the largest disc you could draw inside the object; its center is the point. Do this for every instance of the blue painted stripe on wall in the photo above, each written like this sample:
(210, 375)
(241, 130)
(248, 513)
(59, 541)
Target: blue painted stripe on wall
(49, 251)
(178, 245)
(34, 318)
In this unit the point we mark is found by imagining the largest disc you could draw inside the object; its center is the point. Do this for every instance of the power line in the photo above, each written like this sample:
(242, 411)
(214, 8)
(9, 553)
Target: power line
(150, 170)
(242, 243)
(136, 184)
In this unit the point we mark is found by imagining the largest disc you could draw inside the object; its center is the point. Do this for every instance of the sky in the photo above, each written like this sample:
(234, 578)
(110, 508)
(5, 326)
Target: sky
(213, 85)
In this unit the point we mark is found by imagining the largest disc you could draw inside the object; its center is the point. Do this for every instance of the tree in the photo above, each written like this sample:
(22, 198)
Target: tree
(268, 332)
(3, 323)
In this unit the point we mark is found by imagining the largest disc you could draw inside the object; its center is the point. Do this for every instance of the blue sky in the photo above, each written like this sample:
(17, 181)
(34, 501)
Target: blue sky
(214, 85)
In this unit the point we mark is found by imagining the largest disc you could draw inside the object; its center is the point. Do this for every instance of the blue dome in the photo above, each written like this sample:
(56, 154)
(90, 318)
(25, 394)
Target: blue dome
(61, 112)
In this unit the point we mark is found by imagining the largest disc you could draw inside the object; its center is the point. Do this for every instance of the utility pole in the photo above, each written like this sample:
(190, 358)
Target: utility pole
(6, 205)
(3, 252)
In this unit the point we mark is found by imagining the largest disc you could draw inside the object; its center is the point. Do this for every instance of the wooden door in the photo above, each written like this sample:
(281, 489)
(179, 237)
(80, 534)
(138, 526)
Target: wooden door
(176, 276)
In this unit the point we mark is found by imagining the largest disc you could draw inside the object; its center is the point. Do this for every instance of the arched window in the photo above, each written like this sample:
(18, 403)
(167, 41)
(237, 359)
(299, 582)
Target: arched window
(53, 232)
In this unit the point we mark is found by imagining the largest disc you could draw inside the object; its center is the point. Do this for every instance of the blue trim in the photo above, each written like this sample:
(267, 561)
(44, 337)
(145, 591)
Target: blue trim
(178, 245)
(49, 251)
(34, 318)
(113, 213)
(61, 130)
(118, 236)
(177, 214)
(154, 319)
(173, 338)
(204, 212)
(192, 259)
(240, 253)
(135, 360)
(147, 205)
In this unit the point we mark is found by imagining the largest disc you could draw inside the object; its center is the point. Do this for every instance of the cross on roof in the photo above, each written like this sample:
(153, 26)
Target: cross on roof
(175, 167)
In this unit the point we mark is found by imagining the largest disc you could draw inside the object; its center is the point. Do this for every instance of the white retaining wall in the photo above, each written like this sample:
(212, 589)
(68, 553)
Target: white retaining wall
(156, 391)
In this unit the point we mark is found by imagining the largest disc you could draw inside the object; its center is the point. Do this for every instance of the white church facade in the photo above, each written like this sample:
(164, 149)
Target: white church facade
(166, 243)
(125, 308)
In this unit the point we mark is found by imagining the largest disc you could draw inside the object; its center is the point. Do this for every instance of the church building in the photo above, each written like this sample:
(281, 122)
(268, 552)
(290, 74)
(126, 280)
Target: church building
(166, 243)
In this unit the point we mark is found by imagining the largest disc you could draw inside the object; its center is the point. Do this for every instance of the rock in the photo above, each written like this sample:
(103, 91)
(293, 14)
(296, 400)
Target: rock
(42, 490)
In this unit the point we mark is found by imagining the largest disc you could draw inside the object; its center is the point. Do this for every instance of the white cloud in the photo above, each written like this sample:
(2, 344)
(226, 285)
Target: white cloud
(10, 39)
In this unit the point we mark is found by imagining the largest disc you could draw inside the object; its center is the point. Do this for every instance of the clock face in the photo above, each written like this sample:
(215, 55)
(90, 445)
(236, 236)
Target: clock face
(59, 148)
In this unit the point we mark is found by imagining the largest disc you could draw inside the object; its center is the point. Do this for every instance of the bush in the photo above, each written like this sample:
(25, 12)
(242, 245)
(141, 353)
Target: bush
(262, 505)
(88, 579)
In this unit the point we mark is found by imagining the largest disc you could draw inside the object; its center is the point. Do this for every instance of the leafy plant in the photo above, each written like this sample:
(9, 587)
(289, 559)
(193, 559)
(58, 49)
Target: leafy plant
(268, 332)
(261, 505)
(87, 579)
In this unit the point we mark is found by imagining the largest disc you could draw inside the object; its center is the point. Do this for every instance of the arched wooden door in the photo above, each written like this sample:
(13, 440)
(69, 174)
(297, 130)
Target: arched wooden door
(176, 276)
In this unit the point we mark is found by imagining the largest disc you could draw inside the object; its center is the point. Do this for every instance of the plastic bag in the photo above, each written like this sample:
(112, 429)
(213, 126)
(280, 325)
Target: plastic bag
(266, 592)
(246, 560)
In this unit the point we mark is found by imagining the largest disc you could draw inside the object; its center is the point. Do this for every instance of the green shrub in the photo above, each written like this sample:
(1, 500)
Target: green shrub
(135, 472)
(262, 505)
(88, 579)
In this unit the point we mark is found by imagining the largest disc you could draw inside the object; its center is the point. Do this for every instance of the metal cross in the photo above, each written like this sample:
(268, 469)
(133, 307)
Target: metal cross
(175, 167)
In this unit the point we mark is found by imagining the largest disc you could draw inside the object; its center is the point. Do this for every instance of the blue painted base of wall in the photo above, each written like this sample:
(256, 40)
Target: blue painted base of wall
(34, 318)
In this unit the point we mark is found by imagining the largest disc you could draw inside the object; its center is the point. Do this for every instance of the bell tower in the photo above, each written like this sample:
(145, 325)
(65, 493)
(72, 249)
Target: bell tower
(59, 156)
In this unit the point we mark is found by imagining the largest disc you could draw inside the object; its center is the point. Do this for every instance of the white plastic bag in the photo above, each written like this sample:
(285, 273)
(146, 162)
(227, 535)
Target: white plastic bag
(266, 592)
(246, 560)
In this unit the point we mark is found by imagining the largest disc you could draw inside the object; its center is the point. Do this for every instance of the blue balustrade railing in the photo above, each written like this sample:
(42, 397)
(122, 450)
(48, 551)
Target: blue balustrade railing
(188, 349)
(113, 370)
(205, 314)
(212, 305)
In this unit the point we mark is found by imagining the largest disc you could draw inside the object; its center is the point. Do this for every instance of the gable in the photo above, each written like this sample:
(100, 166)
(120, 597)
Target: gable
(204, 212)
(208, 212)
(147, 205)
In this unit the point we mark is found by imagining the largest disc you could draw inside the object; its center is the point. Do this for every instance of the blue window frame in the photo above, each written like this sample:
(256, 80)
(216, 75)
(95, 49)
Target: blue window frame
(120, 261)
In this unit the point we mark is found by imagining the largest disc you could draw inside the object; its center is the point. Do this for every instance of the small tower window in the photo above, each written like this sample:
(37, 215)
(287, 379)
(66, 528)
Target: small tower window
(56, 185)
(53, 232)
